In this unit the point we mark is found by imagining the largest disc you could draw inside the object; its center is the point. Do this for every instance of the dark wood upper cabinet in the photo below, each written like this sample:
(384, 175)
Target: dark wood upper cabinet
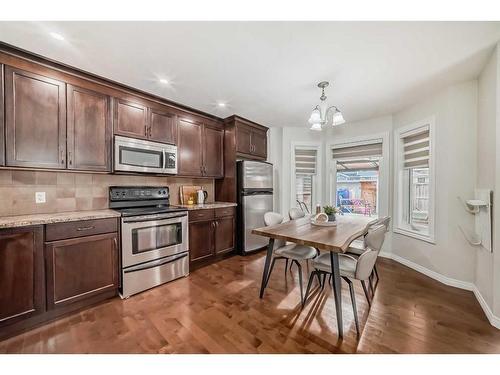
(35, 120)
(224, 234)
(259, 144)
(2, 124)
(201, 240)
(189, 143)
(89, 129)
(213, 151)
(244, 140)
(162, 126)
(80, 268)
(21, 274)
(131, 119)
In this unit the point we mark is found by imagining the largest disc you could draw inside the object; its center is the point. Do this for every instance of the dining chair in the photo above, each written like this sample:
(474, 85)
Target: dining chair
(358, 246)
(351, 267)
(294, 213)
(293, 252)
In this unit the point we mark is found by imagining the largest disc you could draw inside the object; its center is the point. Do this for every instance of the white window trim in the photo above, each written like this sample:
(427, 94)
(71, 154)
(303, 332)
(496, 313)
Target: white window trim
(317, 191)
(384, 170)
(398, 181)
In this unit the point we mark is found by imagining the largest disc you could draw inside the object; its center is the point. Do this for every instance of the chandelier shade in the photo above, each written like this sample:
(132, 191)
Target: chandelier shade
(319, 118)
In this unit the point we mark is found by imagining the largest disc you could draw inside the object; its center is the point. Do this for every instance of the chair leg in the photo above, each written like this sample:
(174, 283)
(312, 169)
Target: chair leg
(311, 278)
(318, 276)
(286, 265)
(270, 271)
(353, 300)
(324, 282)
(370, 282)
(300, 281)
(366, 292)
(376, 273)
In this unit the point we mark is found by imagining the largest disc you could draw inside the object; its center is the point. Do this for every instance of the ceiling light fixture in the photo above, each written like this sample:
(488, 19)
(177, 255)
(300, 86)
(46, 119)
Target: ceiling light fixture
(221, 104)
(164, 81)
(322, 114)
(56, 36)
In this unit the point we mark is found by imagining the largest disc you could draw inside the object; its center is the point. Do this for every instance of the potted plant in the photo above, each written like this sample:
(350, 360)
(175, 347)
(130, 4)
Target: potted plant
(330, 211)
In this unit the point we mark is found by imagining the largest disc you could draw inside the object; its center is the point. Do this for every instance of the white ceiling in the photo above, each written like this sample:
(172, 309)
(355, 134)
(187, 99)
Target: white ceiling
(268, 71)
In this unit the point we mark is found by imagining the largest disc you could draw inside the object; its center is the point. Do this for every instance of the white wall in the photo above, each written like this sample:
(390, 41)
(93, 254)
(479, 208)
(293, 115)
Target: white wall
(487, 107)
(455, 113)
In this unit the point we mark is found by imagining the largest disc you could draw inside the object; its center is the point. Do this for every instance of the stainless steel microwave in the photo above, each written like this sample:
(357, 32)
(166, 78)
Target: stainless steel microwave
(137, 155)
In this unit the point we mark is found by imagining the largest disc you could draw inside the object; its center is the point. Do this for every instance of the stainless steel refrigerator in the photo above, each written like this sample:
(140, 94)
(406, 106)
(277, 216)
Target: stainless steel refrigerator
(255, 198)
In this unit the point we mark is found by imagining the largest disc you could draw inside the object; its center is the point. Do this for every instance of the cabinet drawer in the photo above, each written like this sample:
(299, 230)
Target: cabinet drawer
(198, 215)
(224, 211)
(61, 231)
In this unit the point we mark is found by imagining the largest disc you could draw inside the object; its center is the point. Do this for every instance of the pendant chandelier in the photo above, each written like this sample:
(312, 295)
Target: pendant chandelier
(322, 114)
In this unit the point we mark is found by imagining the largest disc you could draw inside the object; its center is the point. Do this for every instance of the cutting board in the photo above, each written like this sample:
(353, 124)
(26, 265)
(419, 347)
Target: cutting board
(187, 191)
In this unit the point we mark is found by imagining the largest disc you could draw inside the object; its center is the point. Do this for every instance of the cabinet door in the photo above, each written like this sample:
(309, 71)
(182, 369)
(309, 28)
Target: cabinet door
(201, 240)
(243, 139)
(21, 274)
(131, 119)
(35, 120)
(89, 130)
(189, 148)
(213, 152)
(2, 124)
(80, 268)
(259, 144)
(224, 234)
(162, 126)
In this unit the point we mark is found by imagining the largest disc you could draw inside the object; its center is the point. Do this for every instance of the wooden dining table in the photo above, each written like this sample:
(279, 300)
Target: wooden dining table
(335, 239)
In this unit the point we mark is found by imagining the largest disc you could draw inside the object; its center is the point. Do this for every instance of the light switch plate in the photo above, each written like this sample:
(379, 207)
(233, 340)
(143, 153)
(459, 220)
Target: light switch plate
(40, 197)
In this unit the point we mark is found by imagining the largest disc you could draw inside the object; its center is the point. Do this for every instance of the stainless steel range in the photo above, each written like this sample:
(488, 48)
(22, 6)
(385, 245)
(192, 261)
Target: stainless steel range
(154, 237)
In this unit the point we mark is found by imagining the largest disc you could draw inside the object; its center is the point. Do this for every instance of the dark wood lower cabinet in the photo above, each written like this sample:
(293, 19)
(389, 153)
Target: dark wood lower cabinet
(211, 235)
(22, 282)
(77, 272)
(79, 268)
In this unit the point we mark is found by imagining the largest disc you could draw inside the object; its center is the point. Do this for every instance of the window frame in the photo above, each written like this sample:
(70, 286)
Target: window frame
(383, 194)
(316, 182)
(399, 226)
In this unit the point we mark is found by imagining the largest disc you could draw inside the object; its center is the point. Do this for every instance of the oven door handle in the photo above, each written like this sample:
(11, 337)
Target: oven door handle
(153, 218)
(157, 263)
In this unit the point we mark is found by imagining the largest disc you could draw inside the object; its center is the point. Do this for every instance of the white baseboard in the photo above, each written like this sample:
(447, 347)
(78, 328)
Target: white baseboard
(493, 319)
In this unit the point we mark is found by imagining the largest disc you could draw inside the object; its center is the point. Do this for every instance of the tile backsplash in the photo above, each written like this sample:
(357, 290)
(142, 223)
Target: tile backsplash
(68, 191)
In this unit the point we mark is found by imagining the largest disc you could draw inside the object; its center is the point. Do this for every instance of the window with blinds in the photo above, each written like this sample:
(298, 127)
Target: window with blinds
(305, 161)
(415, 211)
(416, 149)
(305, 170)
(358, 157)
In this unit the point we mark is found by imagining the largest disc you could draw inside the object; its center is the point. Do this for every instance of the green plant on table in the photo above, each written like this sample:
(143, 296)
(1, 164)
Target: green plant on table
(330, 210)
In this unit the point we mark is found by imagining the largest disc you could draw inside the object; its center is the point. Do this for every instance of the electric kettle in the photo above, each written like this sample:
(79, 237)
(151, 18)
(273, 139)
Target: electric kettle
(202, 196)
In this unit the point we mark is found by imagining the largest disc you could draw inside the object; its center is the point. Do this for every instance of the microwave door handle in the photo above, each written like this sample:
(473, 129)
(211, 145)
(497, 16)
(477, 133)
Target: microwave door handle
(164, 169)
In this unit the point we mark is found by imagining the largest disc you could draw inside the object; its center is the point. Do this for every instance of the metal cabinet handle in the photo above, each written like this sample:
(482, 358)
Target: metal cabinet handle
(85, 228)
(70, 158)
(146, 130)
(62, 156)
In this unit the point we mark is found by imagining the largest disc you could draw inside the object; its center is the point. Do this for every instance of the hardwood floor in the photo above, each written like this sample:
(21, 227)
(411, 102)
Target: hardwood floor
(217, 310)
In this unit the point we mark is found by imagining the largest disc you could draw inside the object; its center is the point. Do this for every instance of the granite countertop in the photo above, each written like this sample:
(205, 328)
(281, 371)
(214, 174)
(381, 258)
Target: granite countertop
(206, 206)
(59, 217)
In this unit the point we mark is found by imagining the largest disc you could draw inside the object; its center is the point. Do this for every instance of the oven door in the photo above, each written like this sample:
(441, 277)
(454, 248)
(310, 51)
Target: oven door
(151, 237)
(135, 155)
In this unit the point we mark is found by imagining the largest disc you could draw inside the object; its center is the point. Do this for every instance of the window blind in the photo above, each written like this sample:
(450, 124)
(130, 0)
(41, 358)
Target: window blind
(305, 161)
(374, 149)
(416, 148)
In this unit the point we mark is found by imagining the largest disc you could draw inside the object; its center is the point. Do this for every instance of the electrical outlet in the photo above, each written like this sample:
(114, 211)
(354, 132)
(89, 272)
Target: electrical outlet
(40, 197)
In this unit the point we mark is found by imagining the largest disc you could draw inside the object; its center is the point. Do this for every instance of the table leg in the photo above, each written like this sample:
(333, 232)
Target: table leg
(269, 256)
(337, 291)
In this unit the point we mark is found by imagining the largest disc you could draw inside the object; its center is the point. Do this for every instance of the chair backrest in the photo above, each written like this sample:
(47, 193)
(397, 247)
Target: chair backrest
(274, 218)
(385, 221)
(295, 213)
(366, 261)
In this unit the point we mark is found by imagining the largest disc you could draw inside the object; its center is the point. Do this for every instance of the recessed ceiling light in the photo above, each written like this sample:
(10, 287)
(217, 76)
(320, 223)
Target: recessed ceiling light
(164, 81)
(221, 104)
(56, 36)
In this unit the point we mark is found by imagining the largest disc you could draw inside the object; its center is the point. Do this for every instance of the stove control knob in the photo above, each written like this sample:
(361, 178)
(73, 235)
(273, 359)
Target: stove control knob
(164, 192)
